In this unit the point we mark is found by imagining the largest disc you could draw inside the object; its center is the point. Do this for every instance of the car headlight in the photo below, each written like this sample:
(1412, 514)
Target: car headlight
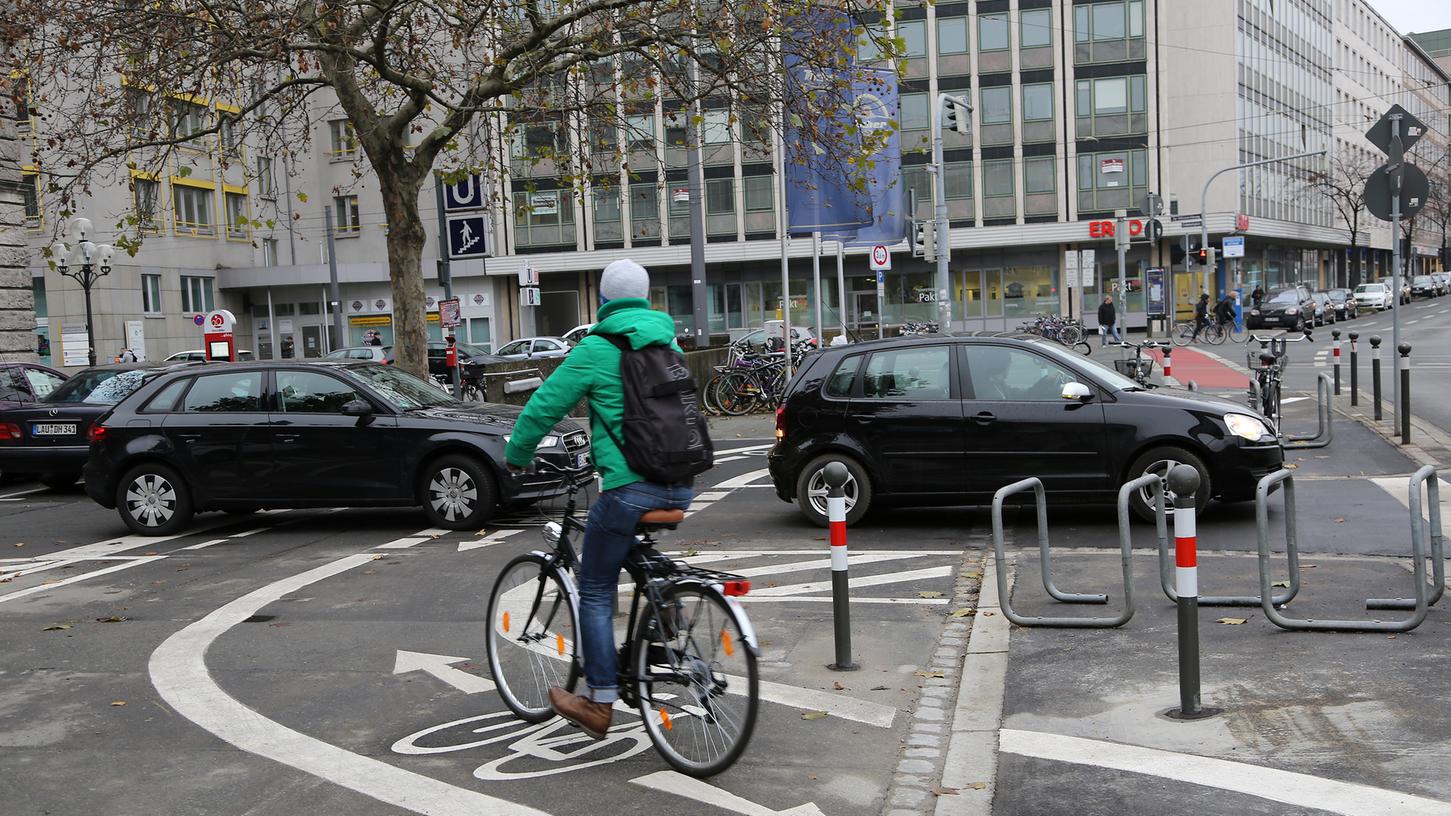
(1245, 426)
(1254, 311)
(549, 441)
(1292, 310)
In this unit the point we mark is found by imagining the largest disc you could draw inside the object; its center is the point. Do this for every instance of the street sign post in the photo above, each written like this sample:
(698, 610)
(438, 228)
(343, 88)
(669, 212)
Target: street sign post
(1234, 246)
(1087, 266)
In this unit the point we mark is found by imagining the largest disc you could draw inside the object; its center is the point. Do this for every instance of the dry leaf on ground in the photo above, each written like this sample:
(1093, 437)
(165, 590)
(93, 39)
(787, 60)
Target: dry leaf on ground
(944, 791)
(56, 627)
(812, 715)
(929, 674)
(974, 575)
(929, 594)
(119, 703)
(962, 613)
(112, 619)
(836, 684)
(978, 785)
(1233, 621)
(1280, 583)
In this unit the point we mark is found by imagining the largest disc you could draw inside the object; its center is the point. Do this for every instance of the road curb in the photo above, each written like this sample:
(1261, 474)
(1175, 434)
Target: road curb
(1439, 456)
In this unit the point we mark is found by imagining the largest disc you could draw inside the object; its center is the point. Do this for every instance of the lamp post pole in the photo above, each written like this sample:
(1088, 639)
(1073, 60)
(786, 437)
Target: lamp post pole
(95, 264)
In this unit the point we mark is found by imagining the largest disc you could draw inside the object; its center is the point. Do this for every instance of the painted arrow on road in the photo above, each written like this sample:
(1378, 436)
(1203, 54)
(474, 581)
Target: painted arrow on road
(441, 668)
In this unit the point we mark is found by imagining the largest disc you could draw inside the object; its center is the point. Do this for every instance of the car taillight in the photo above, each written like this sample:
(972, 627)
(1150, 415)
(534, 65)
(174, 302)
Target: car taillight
(9, 431)
(97, 433)
(780, 423)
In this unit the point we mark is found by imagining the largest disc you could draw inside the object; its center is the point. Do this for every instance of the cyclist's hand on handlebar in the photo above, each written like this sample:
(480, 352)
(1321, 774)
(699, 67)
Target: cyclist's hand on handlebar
(516, 470)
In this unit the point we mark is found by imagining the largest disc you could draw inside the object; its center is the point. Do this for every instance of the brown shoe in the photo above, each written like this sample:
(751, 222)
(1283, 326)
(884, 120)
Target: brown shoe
(592, 718)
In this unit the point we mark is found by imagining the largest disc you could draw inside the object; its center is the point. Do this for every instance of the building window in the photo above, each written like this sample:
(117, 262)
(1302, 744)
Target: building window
(992, 32)
(187, 119)
(997, 105)
(715, 127)
(544, 218)
(196, 294)
(342, 139)
(913, 34)
(30, 192)
(997, 178)
(238, 224)
(535, 140)
(345, 214)
(608, 215)
(1040, 174)
(720, 196)
(603, 138)
(959, 180)
(952, 35)
(146, 193)
(916, 182)
(1110, 96)
(644, 211)
(193, 208)
(760, 193)
(269, 252)
(1037, 102)
(228, 135)
(640, 132)
(914, 111)
(151, 294)
(266, 182)
(1102, 22)
(1111, 180)
(1035, 28)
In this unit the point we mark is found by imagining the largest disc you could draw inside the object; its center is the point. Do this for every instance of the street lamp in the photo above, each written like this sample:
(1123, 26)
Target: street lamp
(95, 264)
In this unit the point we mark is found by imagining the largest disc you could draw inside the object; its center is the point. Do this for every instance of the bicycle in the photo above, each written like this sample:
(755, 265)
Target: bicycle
(1265, 394)
(688, 662)
(1214, 332)
(1068, 331)
(1139, 367)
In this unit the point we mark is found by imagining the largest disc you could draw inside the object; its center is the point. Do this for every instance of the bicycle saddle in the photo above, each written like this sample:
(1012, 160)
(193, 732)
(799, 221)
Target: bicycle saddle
(653, 520)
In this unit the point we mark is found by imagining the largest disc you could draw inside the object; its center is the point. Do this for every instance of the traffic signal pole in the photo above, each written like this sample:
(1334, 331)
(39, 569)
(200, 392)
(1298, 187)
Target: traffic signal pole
(1204, 196)
(958, 111)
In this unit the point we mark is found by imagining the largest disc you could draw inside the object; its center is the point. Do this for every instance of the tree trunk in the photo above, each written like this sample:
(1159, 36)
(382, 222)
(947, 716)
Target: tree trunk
(405, 252)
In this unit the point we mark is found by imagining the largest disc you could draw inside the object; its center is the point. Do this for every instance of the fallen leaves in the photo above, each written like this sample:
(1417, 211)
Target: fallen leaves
(929, 674)
(1233, 621)
(378, 557)
(1291, 466)
(880, 688)
(58, 627)
(976, 576)
(22, 544)
(944, 790)
(1285, 584)
(927, 593)
(118, 703)
(1340, 520)
(978, 785)
(963, 613)
(836, 684)
(813, 715)
(113, 619)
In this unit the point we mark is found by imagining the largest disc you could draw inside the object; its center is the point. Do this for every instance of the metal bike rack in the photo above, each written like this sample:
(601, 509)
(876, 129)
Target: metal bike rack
(1292, 553)
(1125, 547)
(1322, 437)
(1262, 528)
(1432, 541)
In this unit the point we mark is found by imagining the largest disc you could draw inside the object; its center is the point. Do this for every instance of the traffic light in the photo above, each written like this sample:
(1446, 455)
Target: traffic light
(1201, 257)
(956, 113)
(924, 239)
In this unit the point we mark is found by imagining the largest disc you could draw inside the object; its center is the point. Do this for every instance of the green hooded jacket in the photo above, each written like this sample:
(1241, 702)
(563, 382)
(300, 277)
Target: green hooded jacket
(592, 371)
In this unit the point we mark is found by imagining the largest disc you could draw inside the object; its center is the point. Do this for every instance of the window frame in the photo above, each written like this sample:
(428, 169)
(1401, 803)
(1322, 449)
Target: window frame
(1051, 162)
(191, 386)
(242, 227)
(918, 26)
(283, 372)
(996, 164)
(1023, 94)
(859, 382)
(983, 28)
(151, 301)
(200, 199)
(854, 360)
(959, 46)
(969, 390)
(768, 190)
(347, 218)
(204, 291)
(1006, 92)
(342, 139)
(712, 192)
(1046, 14)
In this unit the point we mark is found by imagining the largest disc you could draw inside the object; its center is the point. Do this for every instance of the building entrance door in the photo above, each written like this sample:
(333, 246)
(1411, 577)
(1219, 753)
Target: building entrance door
(312, 341)
(864, 317)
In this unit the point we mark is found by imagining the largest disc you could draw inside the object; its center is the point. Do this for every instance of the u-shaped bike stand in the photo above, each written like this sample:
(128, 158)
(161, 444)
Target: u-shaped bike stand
(1431, 540)
(1323, 435)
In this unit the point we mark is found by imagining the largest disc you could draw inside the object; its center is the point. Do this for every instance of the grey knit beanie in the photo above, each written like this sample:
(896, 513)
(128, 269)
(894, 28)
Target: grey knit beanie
(624, 279)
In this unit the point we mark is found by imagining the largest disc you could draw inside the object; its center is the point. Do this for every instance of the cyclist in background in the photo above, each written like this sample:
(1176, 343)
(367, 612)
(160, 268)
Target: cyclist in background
(592, 371)
(1224, 310)
(1201, 315)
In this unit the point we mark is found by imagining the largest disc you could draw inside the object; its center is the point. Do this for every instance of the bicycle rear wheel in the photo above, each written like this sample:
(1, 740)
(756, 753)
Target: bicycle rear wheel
(697, 682)
(738, 394)
(1215, 334)
(1070, 335)
(533, 635)
(1183, 334)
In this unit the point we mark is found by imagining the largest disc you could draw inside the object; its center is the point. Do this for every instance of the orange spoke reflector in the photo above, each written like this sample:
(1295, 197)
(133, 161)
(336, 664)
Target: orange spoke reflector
(559, 642)
(736, 587)
(506, 621)
(725, 642)
(665, 719)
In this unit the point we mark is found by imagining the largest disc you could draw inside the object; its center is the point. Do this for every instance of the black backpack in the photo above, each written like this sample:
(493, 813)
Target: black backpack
(665, 438)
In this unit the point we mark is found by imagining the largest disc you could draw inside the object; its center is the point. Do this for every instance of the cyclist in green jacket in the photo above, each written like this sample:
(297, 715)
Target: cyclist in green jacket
(592, 372)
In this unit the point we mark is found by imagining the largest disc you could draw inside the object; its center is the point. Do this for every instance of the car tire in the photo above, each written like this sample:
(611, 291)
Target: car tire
(60, 481)
(457, 492)
(153, 500)
(811, 489)
(1158, 460)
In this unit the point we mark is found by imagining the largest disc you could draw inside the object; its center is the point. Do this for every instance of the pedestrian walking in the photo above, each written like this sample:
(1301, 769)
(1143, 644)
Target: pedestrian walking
(1108, 322)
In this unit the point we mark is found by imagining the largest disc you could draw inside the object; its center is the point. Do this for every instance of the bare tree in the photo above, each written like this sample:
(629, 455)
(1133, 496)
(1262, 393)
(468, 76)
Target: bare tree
(1343, 184)
(432, 86)
(1437, 212)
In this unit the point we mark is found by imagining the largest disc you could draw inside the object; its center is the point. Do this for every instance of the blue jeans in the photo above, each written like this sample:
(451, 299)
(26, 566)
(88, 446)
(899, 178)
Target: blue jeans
(608, 537)
(1110, 330)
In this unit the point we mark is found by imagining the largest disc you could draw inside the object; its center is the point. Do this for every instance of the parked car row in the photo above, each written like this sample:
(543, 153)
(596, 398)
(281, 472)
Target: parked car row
(1430, 286)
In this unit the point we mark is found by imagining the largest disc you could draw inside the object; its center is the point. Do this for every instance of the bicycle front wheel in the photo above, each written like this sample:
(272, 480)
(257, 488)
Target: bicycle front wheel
(1216, 335)
(698, 687)
(1070, 335)
(1183, 334)
(533, 634)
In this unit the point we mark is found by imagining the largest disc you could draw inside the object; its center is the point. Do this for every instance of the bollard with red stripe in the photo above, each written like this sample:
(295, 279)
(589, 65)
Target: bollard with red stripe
(1183, 482)
(836, 476)
(1168, 361)
(1335, 354)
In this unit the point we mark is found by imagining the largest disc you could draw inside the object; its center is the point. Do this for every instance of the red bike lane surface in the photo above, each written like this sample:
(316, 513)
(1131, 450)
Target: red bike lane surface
(1206, 371)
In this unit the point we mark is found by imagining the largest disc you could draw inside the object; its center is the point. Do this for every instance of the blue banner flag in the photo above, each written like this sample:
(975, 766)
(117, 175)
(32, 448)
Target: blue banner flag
(875, 97)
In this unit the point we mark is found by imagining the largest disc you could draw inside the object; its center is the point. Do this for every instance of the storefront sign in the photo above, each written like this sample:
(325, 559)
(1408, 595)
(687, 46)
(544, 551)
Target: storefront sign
(1107, 166)
(544, 203)
(75, 348)
(1089, 269)
(680, 195)
(1234, 246)
(1106, 229)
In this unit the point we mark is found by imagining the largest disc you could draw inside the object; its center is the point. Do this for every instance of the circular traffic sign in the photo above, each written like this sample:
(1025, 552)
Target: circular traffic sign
(879, 254)
(198, 320)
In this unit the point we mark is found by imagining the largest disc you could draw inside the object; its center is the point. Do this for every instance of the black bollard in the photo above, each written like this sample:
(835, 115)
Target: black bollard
(1375, 373)
(1335, 354)
(1354, 369)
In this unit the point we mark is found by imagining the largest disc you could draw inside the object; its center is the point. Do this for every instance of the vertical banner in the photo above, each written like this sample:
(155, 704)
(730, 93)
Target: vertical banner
(1154, 277)
(874, 95)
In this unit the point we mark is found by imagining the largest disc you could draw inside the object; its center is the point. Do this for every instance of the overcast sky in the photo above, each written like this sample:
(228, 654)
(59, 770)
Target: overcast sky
(1413, 16)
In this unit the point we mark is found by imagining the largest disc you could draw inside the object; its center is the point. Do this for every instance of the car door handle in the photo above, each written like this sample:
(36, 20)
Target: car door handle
(864, 418)
(985, 418)
(189, 437)
(288, 437)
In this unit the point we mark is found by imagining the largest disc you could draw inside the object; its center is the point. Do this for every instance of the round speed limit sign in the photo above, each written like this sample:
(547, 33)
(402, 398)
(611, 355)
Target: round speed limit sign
(881, 258)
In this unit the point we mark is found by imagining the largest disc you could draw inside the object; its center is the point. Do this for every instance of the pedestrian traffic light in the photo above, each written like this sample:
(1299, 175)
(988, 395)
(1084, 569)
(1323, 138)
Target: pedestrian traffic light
(924, 239)
(1201, 257)
(956, 113)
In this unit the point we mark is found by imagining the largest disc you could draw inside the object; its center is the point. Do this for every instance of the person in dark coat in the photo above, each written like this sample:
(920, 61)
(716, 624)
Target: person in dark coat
(1201, 315)
(1257, 297)
(1108, 322)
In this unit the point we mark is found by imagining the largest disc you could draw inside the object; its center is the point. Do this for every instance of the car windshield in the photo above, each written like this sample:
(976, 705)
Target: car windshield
(1370, 288)
(100, 387)
(1286, 297)
(1336, 295)
(471, 350)
(401, 389)
(1106, 375)
(1422, 280)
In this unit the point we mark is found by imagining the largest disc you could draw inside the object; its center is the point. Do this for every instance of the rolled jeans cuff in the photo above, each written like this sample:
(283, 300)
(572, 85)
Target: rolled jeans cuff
(604, 695)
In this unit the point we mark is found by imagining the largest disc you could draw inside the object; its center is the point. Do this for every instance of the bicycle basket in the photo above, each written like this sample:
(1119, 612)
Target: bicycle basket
(1133, 368)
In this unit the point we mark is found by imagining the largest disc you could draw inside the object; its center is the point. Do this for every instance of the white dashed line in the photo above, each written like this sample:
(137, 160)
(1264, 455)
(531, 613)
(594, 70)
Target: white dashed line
(136, 562)
(205, 544)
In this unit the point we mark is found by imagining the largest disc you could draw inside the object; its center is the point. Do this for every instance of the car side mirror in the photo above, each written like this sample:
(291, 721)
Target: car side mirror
(1077, 392)
(357, 408)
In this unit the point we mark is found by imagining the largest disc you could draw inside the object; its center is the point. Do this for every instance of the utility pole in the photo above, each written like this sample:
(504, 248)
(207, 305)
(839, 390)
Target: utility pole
(332, 289)
(1121, 243)
(445, 271)
(956, 113)
(699, 291)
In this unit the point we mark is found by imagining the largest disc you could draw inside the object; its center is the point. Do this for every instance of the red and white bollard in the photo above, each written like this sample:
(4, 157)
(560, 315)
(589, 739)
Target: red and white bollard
(1335, 355)
(1183, 482)
(836, 476)
(1168, 361)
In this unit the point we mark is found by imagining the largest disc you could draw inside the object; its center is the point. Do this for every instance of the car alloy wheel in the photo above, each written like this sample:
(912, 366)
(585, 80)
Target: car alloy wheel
(453, 494)
(151, 500)
(816, 491)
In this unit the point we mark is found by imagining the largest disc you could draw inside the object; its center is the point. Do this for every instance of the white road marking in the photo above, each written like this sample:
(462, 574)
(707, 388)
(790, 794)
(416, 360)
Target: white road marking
(723, 459)
(251, 532)
(747, 449)
(179, 672)
(855, 583)
(735, 555)
(440, 667)
(744, 480)
(1413, 322)
(854, 601)
(205, 544)
(702, 791)
(15, 496)
(412, 540)
(111, 546)
(1300, 790)
(138, 561)
(711, 495)
(37, 566)
(487, 541)
(847, 708)
(1288, 400)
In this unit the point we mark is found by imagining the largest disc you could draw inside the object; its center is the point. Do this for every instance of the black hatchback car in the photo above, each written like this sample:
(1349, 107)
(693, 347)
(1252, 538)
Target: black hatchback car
(949, 420)
(242, 437)
(1291, 308)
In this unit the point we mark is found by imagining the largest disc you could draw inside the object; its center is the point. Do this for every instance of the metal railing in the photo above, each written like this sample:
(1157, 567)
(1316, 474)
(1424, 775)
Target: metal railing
(1432, 541)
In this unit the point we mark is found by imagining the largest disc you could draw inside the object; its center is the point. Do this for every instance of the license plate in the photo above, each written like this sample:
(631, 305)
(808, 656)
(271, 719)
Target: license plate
(581, 460)
(53, 429)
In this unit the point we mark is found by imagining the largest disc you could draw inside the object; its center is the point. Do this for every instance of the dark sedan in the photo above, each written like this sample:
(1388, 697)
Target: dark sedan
(468, 354)
(241, 437)
(1291, 308)
(47, 439)
(27, 382)
(949, 420)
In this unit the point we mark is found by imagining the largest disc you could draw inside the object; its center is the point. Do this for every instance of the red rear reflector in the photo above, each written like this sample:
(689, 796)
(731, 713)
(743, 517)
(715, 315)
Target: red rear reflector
(97, 433)
(736, 587)
(781, 423)
(9, 430)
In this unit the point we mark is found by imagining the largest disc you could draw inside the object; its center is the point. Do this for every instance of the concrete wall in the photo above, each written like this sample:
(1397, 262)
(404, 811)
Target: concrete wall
(17, 303)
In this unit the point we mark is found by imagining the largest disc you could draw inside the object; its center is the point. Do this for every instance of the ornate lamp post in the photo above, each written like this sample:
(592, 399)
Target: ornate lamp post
(95, 263)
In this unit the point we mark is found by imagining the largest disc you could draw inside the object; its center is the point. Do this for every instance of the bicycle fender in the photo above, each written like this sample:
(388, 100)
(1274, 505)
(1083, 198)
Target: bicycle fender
(738, 613)
(565, 576)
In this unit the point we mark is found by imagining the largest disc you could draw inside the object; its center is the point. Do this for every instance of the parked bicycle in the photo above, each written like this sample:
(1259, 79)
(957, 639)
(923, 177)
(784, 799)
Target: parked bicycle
(688, 660)
(1140, 366)
(1214, 333)
(1268, 362)
(1068, 331)
(920, 327)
